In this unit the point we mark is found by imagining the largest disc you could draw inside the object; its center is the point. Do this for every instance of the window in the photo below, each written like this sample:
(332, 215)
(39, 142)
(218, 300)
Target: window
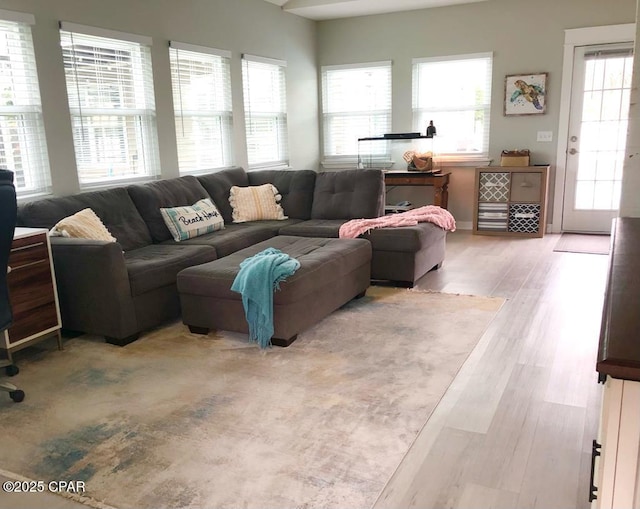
(201, 79)
(356, 104)
(23, 148)
(110, 89)
(265, 108)
(454, 92)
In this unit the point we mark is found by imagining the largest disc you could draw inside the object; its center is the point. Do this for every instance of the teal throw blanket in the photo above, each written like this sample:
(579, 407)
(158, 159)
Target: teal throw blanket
(259, 276)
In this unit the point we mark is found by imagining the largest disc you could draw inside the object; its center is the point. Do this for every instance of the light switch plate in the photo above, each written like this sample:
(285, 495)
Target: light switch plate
(545, 136)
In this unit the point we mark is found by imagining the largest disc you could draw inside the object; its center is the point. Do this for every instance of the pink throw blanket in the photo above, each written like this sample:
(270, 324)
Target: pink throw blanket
(429, 214)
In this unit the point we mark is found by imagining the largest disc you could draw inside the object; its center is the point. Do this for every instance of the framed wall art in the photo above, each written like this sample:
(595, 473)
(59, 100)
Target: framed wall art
(525, 94)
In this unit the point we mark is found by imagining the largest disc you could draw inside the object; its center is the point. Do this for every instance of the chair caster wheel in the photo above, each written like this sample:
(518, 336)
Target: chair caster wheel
(17, 396)
(12, 370)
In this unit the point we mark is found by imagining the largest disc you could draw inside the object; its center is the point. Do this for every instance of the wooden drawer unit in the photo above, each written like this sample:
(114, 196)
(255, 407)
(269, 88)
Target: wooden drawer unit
(32, 290)
(510, 200)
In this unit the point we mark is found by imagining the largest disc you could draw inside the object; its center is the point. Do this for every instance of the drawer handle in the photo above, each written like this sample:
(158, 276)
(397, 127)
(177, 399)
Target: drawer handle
(595, 452)
(29, 246)
(524, 216)
(18, 267)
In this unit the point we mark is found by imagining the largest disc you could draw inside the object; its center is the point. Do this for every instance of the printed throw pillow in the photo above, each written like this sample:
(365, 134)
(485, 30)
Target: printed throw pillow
(84, 224)
(256, 203)
(188, 222)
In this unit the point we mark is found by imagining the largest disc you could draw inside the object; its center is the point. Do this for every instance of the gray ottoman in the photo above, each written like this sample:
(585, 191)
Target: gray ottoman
(331, 273)
(404, 254)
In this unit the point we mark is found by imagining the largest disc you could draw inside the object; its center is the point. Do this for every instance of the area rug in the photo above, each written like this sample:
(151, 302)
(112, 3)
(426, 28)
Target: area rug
(583, 243)
(180, 420)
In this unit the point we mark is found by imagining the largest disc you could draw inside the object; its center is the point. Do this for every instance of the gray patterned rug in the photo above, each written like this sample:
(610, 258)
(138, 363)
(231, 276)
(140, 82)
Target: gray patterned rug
(180, 420)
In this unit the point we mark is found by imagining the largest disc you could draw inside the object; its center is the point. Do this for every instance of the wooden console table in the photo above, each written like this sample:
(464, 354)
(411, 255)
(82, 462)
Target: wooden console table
(439, 182)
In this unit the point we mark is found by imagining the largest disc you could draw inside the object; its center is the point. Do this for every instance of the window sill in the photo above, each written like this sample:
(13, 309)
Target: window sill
(99, 186)
(276, 166)
(206, 171)
(350, 164)
(345, 164)
(26, 198)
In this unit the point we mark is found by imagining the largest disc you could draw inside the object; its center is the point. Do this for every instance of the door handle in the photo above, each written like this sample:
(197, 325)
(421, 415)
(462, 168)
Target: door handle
(595, 452)
(573, 151)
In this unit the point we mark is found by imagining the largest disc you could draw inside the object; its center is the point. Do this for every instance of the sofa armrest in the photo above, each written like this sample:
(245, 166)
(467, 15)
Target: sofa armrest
(93, 287)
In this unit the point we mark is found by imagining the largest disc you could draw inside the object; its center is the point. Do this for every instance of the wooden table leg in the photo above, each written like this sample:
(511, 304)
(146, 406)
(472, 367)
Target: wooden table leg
(441, 197)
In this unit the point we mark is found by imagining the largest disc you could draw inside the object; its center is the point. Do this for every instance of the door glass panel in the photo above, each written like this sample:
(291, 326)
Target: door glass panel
(606, 166)
(587, 168)
(591, 106)
(615, 73)
(619, 165)
(603, 195)
(603, 130)
(611, 100)
(584, 194)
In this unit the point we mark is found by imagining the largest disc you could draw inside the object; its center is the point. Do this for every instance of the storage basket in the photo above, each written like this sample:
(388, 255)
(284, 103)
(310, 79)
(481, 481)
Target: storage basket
(514, 158)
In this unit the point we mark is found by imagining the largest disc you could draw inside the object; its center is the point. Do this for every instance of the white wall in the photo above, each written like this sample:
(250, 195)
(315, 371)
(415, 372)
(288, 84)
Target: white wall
(241, 26)
(523, 36)
(630, 199)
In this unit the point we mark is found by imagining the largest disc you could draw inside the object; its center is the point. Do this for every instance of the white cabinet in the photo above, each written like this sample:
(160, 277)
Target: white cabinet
(616, 468)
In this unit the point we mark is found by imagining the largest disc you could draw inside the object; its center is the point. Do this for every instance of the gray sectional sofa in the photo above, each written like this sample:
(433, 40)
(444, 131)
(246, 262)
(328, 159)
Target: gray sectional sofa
(121, 289)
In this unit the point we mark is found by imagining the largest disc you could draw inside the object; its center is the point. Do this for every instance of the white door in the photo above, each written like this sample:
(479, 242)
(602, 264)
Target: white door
(597, 136)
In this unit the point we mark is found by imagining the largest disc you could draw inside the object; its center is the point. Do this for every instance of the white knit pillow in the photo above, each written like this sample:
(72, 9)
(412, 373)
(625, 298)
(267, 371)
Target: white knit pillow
(84, 225)
(256, 203)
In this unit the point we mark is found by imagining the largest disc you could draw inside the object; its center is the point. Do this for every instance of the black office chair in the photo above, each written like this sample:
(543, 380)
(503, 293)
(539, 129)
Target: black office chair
(8, 212)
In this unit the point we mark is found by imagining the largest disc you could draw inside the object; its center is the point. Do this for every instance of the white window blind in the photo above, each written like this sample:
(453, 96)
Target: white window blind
(201, 79)
(23, 148)
(356, 103)
(455, 93)
(265, 107)
(112, 105)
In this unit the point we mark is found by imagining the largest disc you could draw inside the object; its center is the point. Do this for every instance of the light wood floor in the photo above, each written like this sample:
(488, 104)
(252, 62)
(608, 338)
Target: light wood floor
(514, 430)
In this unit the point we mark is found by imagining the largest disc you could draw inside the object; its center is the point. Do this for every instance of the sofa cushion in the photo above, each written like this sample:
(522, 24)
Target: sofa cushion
(274, 225)
(256, 203)
(323, 262)
(233, 238)
(219, 184)
(177, 192)
(295, 187)
(348, 194)
(188, 222)
(326, 228)
(155, 266)
(114, 207)
(407, 239)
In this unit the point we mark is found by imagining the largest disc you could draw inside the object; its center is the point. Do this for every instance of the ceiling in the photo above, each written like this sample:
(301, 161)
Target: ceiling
(332, 9)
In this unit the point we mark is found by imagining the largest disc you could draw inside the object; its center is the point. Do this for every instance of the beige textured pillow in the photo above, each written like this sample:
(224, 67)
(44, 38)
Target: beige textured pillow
(255, 203)
(83, 225)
